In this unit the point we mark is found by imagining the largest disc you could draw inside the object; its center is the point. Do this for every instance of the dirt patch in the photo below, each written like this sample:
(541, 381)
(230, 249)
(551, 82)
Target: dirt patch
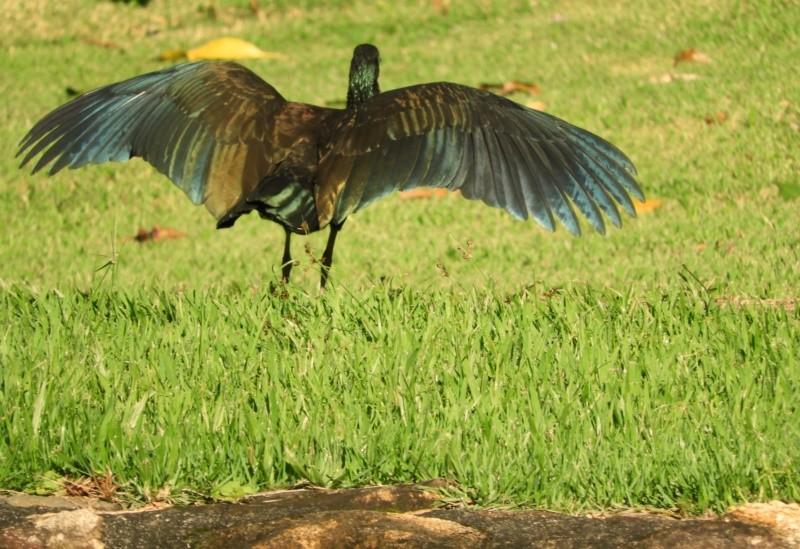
(378, 517)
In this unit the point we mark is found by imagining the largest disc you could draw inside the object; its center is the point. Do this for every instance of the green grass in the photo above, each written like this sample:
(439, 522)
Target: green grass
(587, 398)
(656, 367)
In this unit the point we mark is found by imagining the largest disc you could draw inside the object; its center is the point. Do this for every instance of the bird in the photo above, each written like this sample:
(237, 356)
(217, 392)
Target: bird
(230, 141)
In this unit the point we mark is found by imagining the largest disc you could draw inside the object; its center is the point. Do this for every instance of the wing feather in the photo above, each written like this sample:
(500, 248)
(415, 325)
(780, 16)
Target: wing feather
(526, 162)
(209, 127)
(534, 196)
(483, 187)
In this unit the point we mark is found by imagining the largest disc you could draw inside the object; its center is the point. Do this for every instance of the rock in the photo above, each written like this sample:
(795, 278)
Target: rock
(60, 502)
(78, 529)
(49, 502)
(782, 518)
(356, 529)
(546, 529)
(377, 517)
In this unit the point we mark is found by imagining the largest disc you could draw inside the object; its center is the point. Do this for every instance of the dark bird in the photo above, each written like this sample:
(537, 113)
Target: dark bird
(230, 141)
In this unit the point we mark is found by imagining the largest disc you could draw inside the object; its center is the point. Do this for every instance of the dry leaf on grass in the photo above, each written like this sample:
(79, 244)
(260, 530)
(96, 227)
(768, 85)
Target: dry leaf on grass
(691, 56)
(100, 43)
(717, 118)
(157, 234)
(172, 55)
(97, 486)
(441, 6)
(649, 205)
(222, 48)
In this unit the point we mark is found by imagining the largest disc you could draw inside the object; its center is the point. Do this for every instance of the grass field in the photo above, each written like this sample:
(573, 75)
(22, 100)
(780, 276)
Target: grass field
(656, 367)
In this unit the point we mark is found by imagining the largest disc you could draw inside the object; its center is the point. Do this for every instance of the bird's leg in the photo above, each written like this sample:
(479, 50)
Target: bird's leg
(286, 262)
(327, 256)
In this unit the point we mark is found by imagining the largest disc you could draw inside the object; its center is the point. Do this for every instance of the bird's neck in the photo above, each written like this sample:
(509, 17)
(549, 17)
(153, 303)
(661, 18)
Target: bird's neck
(363, 85)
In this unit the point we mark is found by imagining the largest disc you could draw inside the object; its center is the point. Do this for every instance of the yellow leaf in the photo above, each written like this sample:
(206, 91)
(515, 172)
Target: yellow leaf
(648, 205)
(230, 48)
(536, 105)
(172, 55)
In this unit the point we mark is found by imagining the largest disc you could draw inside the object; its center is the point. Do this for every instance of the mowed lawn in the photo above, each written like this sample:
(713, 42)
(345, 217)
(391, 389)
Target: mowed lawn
(658, 366)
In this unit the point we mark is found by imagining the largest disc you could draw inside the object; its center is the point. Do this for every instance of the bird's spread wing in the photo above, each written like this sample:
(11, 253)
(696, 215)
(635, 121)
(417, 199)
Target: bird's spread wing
(206, 126)
(488, 147)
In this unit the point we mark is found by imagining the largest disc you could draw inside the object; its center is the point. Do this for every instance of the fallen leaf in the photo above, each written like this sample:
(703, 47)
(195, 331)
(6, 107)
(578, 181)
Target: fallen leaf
(97, 486)
(172, 55)
(442, 6)
(691, 56)
(717, 118)
(108, 44)
(230, 48)
(536, 105)
(157, 234)
(222, 48)
(424, 193)
(649, 205)
(512, 86)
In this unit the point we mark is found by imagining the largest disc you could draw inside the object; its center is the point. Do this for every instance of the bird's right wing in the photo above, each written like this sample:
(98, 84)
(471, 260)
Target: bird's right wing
(207, 126)
(488, 147)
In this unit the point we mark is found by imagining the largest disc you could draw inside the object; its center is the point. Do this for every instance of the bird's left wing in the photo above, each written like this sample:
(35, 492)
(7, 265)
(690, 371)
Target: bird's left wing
(488, 147)
(207, 126)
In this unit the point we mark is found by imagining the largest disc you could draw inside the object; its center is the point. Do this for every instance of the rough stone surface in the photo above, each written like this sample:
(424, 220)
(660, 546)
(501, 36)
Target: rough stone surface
(364, 529)
(74, 529)
(386, 516)
(541, 528)
(57, 502)
(781, 517)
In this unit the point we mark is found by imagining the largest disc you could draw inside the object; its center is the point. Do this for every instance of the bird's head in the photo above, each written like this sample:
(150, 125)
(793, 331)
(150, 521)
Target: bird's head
(364, 69)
